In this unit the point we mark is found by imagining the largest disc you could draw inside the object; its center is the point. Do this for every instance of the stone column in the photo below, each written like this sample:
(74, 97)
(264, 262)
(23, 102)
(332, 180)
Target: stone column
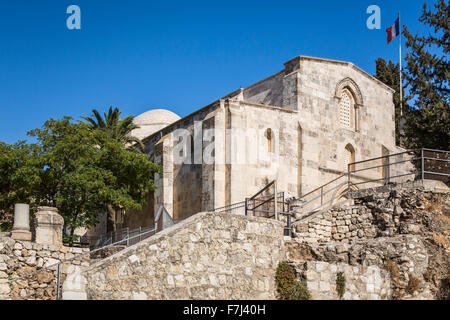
(48, 226)
(164, 181)
(21, 227)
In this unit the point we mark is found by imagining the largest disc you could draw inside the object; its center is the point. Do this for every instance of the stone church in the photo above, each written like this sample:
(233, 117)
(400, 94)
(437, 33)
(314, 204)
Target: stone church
(300, 126)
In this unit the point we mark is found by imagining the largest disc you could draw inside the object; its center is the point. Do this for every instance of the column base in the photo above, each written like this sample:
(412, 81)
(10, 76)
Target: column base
(23, 235)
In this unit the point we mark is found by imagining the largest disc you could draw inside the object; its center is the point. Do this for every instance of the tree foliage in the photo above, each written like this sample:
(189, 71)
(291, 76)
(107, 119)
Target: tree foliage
(68, 169)
(288, 287)
(19, 174)
(427, 75)
(389, 74)
(114, 128)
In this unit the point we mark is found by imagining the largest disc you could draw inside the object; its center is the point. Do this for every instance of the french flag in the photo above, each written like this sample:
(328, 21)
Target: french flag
(393, 31)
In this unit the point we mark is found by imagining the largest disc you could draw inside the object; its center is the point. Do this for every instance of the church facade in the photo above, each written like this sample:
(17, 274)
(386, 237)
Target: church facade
(300, 126)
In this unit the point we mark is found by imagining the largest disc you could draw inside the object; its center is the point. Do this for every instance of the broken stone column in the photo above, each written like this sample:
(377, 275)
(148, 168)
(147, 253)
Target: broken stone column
(48, 226)
(21, 227)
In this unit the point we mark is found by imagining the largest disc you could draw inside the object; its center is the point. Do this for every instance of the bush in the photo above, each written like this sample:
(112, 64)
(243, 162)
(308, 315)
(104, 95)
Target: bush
(288, 288)
(299, 291)
(6, 226)
(69, 239)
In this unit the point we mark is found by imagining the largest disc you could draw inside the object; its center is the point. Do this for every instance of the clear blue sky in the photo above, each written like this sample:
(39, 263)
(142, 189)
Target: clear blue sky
(139, 55)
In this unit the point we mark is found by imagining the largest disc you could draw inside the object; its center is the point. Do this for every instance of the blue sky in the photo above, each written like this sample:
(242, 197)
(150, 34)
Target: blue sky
(139, 55)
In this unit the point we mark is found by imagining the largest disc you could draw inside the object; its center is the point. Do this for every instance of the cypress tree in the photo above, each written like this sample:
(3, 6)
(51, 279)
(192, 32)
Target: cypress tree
(427, 76)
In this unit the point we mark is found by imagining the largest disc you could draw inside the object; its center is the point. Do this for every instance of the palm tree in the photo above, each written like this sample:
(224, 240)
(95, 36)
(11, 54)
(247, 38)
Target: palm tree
(118, 129)
(115, 128)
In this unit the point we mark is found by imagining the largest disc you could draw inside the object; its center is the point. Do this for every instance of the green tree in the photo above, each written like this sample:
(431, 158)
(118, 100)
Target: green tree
(111, 127)
(115, 128)
(68, 169)
(389, 74)
(19, 174)
(427, 75)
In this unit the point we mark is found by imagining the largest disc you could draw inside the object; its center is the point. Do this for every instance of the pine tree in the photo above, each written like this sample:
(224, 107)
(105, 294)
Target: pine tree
(427, 75)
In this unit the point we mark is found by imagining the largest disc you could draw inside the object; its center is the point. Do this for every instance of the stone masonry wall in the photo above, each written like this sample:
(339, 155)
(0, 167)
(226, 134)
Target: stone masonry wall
(402, 229)
(361, 283)
(18, 258)
(378, 268)
(207, 256)
(337, 224)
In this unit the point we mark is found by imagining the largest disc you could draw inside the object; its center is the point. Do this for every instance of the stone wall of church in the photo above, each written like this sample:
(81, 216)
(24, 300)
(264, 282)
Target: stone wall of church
(254, 166)
(300, 105)
(324, 140)
(180, 186)
(268, 91)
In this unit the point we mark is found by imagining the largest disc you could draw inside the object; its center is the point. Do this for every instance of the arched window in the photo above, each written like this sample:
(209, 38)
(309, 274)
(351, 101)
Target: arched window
(350, 102)
(269, 136)
(349, 157)
(347, 110)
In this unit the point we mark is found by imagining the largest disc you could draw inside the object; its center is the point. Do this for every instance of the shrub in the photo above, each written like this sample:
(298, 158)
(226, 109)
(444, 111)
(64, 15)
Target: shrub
(6, 226)
(69, 239)
(340, 284)
(288, 288)
(299, 291)
(284, 278)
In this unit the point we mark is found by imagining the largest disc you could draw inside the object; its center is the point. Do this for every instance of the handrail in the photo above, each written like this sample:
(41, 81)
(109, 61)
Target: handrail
(270, 199)
(383, 165)
(262, 190)
(343, 175)
(352, 170)
(382, 157)
(435, 150)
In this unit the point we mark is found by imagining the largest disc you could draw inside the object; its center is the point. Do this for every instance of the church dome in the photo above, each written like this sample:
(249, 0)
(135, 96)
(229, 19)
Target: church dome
(153, 120)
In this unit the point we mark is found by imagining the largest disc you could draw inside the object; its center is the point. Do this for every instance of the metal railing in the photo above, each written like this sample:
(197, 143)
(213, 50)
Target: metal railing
(232, 208)
(264, 203)
(424, 164)
(410, 165)
(116, 236)
(320, 197)
(272, 204)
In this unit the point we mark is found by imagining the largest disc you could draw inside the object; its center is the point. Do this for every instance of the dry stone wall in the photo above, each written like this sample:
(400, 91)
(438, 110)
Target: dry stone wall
(404, 230)
(337, 224)
(379, 268)
(18, 258)
(361, 283)
(206, 256)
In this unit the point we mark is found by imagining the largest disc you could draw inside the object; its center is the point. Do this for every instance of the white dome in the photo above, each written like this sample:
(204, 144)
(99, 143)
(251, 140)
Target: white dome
(153, 120)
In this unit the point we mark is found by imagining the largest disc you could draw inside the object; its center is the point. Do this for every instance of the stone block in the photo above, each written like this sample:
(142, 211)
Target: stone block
(48, 226)
(23, 235)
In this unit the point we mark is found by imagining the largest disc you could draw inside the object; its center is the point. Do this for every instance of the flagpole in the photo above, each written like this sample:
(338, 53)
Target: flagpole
(400, 59)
